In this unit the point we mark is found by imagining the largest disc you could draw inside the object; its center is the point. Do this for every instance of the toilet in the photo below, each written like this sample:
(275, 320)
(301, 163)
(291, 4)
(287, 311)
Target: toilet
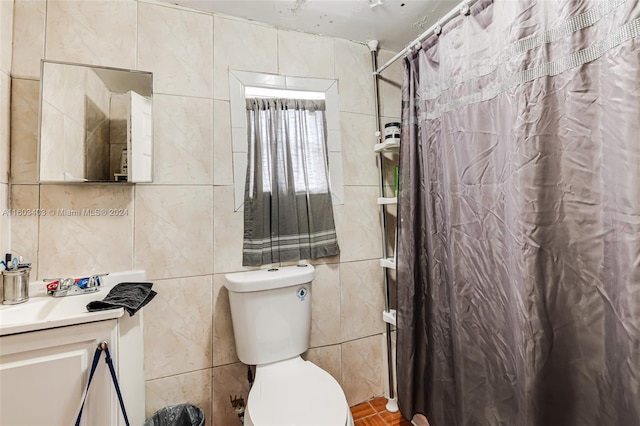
(271, 315)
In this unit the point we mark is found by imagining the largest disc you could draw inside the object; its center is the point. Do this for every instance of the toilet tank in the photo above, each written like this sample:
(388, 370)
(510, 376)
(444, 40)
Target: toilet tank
(271, 312)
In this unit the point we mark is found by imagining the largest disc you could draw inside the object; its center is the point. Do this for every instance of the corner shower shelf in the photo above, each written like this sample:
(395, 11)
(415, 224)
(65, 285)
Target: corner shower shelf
(389, 263)
(389, 145)
(389, 316)
(383, 200)
(386, 151)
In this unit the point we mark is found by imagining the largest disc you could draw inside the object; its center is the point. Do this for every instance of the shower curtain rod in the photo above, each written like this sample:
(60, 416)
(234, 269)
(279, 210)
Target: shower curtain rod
(462, 8)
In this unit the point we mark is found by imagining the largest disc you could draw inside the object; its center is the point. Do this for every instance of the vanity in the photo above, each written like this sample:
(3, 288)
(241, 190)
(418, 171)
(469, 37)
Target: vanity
(46, 349)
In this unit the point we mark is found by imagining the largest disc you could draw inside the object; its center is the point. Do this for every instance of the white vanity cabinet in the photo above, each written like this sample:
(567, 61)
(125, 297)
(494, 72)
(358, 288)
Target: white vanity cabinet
(43, 375)
(46, 350)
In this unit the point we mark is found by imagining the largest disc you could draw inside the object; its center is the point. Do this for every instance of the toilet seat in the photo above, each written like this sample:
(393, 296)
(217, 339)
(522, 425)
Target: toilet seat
(296, 393)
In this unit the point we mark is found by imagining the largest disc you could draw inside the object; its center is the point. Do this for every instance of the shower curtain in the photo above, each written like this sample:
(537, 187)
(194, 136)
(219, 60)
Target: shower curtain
(519, 218)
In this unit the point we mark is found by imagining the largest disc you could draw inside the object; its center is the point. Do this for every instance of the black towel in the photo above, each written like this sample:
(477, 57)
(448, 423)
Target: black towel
(131, 296)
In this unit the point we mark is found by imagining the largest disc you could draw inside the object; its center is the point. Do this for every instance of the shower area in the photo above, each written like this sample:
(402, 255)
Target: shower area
(518, 217)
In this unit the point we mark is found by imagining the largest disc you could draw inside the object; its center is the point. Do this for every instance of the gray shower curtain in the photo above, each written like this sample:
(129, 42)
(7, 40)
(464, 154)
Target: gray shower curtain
(519, 218)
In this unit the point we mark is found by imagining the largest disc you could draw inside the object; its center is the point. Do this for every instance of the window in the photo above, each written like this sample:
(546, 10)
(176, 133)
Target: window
(288, 214)
(243, 84)
(305, 134)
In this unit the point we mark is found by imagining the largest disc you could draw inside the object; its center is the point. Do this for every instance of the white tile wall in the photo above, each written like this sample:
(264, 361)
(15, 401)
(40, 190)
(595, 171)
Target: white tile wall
(178, 46)
(241, 45)
(97, 32)
(28, 38)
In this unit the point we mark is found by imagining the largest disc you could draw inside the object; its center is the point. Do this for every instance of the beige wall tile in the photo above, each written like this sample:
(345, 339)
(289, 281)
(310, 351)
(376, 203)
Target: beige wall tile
(228, 380)
(24, 229)
(358, 157)
(325, 306)
(362, 369)
(5, 125)
(329, 358)
(228, 232)
(362, 299)
(244, 46)
(322, 260)
(222, 146)
(390, 85)
(355, 73)
(183, 140)
(177, 327)
(25, 95)
(193, 388)
(173, 230)
(6, 32)
(224, 345)
(5, 219)
(306, 55)
(359, 239)
(28, 38)
(81, 245)
(176, 45)
(97, 32)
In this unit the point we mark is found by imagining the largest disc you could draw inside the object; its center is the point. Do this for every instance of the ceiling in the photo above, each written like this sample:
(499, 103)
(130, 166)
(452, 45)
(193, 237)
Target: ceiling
(394, 23)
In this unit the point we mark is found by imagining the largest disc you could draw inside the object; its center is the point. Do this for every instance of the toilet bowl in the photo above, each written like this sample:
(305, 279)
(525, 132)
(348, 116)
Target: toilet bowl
(296, 392)
(271, 316)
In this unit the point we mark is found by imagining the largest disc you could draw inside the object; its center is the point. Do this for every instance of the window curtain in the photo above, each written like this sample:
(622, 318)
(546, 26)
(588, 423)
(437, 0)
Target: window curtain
(288, 213)
(519, 218)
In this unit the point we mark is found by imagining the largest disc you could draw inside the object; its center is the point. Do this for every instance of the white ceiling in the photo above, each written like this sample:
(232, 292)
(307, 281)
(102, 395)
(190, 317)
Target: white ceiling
(394, 23)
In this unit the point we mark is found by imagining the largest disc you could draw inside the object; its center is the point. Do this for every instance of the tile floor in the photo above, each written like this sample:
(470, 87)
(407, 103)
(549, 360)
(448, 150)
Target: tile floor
(374, 413)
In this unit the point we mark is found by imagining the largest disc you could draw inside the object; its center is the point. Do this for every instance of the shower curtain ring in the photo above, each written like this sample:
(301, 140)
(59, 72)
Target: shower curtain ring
(437, 29)
(465, 9)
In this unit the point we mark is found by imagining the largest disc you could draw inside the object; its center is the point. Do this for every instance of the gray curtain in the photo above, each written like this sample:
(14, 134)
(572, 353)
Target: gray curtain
(288, 212)
(519, 212)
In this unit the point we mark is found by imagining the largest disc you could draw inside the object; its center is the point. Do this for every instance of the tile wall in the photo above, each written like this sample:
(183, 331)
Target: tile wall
(6, 31)
(182, 228)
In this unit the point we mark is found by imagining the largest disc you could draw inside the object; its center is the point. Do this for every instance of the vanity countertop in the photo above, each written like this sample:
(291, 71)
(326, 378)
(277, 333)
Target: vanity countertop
(43, 311)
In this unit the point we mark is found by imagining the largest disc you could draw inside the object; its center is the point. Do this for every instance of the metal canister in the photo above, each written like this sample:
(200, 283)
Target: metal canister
(15, 286)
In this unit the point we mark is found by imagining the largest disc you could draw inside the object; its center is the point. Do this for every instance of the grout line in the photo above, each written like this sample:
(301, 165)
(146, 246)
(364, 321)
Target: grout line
(137, 48)
(44, 35)
(176, 6)
(179, 278)
(177, 374)
(156, 185)
(156, 92)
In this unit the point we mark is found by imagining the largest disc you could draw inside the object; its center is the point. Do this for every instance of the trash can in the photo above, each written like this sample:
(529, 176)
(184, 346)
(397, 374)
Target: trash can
(177, 415)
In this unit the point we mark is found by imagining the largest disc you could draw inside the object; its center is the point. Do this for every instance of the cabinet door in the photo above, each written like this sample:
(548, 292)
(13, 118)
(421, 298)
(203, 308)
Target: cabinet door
(139, 138)
(43, 375)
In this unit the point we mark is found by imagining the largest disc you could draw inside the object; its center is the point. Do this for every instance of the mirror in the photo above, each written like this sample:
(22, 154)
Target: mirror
(95, 124)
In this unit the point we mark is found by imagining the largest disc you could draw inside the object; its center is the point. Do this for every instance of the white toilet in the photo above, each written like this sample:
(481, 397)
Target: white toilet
(271, 314)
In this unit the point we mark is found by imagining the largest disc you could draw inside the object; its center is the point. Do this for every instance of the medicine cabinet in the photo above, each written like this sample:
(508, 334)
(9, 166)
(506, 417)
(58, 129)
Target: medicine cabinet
(95, 124)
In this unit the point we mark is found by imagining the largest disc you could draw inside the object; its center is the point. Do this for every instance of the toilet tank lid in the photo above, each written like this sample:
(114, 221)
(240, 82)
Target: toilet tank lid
(268, 279)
